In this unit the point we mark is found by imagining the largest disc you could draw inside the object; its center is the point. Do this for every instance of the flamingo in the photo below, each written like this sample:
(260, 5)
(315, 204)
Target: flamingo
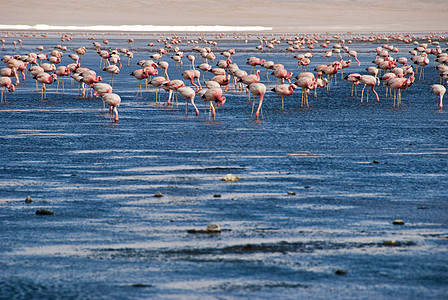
(113, 100)
(140, 74)
(284, 90)
(400, 84)
(157, 82)
(307, 83)
(253, 62)
(45, 78)
(214, 95)
(222, 80)
(6, 83)
(371, 81)
(257, 89)
(353, 78)
(164, 65)
(439, 90)
(282, 74)
(191, 75)
(354, 54)
(61, 72)
(112, 69)
(188, 93)
(173, 85)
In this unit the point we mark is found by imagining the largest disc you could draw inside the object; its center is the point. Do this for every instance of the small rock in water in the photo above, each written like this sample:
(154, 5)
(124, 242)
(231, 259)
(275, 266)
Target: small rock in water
(376, 162)
(44, 212)
(422, 207)
(141, 285)
(391, 243)
(217, 195)
(159, 194)
(398, 222)
(307, 187)
(28, 199)
(230, 178)
(212, 228)
(291, 193)
(340, 272)
(234, 198)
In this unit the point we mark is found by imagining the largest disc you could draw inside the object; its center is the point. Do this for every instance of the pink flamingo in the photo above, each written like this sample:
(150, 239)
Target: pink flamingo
(354, 54)
(173, 86)
(400, 84)
(61, 72)
(6, 83)
(371, 81)
(188, 93)
(214, 95)
(113, 100)
(140, 74)
(89, 77)
(353, 78)
(439, 90)
(191, 75)
(222, 80)
(284, 90)
(164, 65)
(257, 89)
(112, 69)
(307, 83)
(253, 62)
(45, 79)
(157, 82)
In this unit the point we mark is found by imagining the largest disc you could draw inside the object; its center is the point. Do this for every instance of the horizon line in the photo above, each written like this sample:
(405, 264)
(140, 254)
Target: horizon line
(156, 28)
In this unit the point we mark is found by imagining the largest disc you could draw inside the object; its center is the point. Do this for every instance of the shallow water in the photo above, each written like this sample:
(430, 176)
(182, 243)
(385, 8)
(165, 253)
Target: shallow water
(110, 237)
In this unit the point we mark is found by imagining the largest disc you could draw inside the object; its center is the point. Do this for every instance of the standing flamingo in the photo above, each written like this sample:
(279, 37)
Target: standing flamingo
(191, 75)
(284, 90)
(439, 90)
(353, 78)
(157, 82)
(371, 81)
(45, 78)
(140, 74)
(113, 100)
(112, 69)
(257, 89)
(6, 83)
(354, 54)
(214, 95)
(188, 93)
(61, 72)
(398, 84)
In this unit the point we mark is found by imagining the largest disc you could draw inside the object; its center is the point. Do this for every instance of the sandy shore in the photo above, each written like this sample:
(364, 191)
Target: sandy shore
(282, 16)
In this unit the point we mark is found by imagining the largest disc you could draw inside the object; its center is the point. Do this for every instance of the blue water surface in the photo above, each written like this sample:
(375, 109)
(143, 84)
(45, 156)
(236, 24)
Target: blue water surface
(319, 189)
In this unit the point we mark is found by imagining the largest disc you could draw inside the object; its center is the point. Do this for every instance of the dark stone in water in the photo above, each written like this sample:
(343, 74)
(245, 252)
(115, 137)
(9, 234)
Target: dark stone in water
(210, 229)
(398, 222)
(44, 212)
(141, 285)
(158, 195)
(340, 272)
(217, 195)
(422, 207)
(28, 199)
(391, 243)
(307, 187)
(291, 193)
(376, 162)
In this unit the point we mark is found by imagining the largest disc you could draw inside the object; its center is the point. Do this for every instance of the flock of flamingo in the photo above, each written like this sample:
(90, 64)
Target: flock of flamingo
(397, 73)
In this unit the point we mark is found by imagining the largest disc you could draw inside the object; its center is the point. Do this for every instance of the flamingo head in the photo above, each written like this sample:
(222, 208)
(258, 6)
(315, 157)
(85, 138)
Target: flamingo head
(11, 88)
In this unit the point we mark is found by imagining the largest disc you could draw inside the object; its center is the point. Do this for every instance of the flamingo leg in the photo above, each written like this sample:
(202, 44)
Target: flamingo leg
(362, 92)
